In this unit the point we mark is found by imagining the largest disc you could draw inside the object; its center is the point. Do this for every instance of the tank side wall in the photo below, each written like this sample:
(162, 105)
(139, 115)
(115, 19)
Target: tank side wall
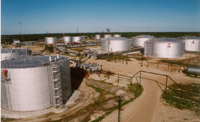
(29, 89)
(192, 45)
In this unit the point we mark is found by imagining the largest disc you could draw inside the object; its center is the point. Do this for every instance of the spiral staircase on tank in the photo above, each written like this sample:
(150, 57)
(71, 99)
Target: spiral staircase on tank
(56, 84)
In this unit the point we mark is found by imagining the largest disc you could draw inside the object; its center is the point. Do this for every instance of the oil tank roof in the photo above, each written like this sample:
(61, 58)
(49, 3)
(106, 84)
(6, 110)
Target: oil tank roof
(166, 40)
(34, 61)
(116, 38)
(10, 50)
(190, 37)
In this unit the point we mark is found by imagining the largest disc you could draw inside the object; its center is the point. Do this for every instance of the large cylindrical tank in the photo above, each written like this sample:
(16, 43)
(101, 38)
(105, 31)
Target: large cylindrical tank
(50, 40)
(116, 35)
(192, 44)
(107, 36)
(138, 41)
(97, 37)
(115, 44)
(34, 83)
(164, 48)
(12, 53)
(66, 39)
(77, 39)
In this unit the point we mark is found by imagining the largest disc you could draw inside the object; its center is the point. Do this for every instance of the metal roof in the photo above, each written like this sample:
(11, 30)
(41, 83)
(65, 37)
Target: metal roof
(166, 40)
(190, 37)
(33, 61)
(11, 50)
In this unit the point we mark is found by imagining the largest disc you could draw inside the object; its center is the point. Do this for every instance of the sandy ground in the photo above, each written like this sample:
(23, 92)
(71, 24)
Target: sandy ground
(149, 107)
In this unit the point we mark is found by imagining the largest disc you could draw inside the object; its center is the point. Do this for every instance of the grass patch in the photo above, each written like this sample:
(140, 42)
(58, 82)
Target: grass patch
(184, 100)
(136, 89)
(176, 62)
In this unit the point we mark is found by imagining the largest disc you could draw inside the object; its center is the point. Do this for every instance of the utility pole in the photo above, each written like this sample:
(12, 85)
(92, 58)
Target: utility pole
(119, 107)
(77, 29)
(20, 26)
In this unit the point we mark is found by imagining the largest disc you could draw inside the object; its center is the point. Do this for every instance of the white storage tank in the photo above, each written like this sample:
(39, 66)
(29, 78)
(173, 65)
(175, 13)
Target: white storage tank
(16, 42)
(35, 83)
(50, 40)
(77, 39)
(107, 36)
(66, 40)
(12, 53)
(138, 41)
(164, 48)
(97, 37)
(115, 44)
(117, 35)
(192, 44)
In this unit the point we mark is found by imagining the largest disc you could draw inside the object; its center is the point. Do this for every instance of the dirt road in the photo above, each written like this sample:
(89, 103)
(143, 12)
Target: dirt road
(149, 107)
(142, 109)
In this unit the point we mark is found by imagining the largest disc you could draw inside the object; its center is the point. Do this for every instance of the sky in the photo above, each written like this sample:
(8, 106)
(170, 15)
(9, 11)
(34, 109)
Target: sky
(64, 16)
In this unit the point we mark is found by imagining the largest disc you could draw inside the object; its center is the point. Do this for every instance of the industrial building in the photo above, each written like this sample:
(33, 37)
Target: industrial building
(115, 44)
(12, 53)
(192, 43)
(50, 40)
(138, 41)
(164, 48)
(77, 39)
(107, 36)
(66, 40)
(35, 83)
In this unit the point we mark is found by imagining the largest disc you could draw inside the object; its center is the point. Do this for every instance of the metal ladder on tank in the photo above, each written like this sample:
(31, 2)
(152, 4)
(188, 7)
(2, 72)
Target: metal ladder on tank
(56, 84)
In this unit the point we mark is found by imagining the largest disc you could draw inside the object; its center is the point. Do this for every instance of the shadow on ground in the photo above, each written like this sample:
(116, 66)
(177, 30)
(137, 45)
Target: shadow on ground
(77, 75)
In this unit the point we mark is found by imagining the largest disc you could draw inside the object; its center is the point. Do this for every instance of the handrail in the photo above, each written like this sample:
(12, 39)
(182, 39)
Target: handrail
(167, 76)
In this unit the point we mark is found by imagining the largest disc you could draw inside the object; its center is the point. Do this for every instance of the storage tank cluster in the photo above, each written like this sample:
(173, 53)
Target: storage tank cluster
(164, 48)
(12, 53)
(115, 44)
(35, 83)
(138, 41)
(50, 40)
(109, 35)
(77, 39)
(192, 43)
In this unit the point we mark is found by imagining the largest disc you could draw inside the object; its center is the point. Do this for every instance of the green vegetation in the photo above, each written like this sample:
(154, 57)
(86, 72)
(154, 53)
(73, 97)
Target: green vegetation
(187, 99)
(36, 37)
(177, 62)
(136, 89)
